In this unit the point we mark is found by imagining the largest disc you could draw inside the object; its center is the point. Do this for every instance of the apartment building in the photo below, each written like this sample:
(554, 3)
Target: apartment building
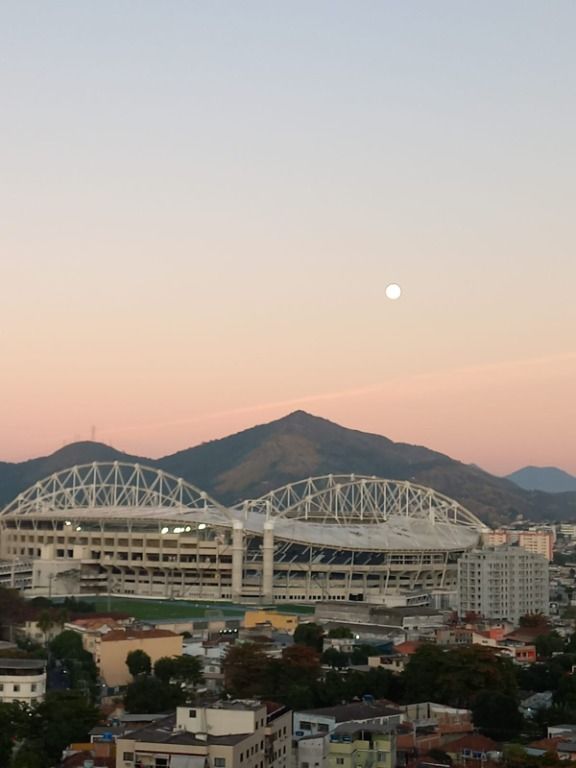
(22, 680)
(503, 583)
(353, 745)
(539, 542)
(225, 734)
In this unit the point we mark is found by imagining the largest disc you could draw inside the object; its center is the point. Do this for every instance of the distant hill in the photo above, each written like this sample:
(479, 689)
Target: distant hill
(257, 460)
(547, 479)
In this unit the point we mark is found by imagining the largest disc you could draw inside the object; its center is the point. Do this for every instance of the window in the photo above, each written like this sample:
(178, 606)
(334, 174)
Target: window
(33, 687)
(219, 762)
(339, 761)
(16, 688)
(128, 757)
(304, 765)
(305, 725)
(192, 713)
(161, 762)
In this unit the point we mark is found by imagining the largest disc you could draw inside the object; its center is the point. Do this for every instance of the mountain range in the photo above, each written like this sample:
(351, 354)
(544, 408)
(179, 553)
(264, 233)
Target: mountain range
(547, 479)
(299, 445)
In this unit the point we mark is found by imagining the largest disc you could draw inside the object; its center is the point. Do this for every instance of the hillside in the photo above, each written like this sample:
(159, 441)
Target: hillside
(259, 459)
(547, 479)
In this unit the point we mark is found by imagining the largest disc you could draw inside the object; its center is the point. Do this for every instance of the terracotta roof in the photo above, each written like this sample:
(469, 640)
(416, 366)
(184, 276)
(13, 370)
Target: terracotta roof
(473, 741)
(549, 745)
(139, 634)
(409, 647)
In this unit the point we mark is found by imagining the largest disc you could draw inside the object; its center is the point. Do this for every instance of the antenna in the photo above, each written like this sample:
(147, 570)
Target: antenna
(93, 433)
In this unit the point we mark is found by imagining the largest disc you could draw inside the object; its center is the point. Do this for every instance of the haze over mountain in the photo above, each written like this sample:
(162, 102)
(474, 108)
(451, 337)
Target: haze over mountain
(264, 457)
(548, 479)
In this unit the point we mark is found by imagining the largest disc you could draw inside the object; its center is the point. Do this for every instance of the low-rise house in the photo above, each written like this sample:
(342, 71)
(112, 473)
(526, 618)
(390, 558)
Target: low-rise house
(472, 750)
(22, 680)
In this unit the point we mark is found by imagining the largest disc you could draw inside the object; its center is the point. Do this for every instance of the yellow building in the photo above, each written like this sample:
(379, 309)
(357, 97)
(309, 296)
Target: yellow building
(283, 622)
(367, 745)
(110, 650)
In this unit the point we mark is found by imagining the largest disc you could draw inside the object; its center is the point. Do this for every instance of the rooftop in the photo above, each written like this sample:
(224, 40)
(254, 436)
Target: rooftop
(139, 634)
(360, 710)
(36, 664)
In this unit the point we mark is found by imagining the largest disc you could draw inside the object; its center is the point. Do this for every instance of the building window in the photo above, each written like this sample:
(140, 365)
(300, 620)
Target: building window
(305, 725)
(16, 688)
(339, 761)
(219, 762)
(128, 757)
(304, 765)
(192, 713)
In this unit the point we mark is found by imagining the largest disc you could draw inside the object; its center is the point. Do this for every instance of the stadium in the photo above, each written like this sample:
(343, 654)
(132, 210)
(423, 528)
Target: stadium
(129, 529)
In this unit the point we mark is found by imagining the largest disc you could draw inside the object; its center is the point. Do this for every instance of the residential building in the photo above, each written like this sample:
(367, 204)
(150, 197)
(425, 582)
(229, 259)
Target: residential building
(353, 745)
(504, 582)
(111, 649)
(539, 542)
(225, 734)
(22, 680)
(323, 721)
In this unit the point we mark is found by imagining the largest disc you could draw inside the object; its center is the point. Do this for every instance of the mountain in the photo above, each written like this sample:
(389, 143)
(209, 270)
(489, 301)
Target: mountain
(547, 479)
(15, 478)
(264, 457)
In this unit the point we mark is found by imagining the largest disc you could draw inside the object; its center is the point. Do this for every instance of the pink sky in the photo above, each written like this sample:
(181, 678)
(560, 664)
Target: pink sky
(200, 212)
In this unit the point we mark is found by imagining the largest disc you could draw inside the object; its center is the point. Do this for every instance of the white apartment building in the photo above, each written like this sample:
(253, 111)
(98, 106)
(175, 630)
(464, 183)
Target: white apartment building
(503, 583)
(22, 680)
(225, 734)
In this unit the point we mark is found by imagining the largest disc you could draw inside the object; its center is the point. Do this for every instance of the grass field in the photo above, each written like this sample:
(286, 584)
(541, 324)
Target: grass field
(182, 609)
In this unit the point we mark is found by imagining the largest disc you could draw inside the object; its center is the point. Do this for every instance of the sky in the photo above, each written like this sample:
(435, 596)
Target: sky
(201, 205)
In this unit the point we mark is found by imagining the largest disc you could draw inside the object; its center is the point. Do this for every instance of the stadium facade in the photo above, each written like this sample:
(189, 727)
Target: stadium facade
(128, 529)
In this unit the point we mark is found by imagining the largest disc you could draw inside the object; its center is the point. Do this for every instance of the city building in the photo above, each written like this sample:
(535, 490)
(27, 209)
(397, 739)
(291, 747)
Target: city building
(225, 734)
(325, 720)
(353, 745)
(121, 528)
(111, 649)
(540, 542)
(22, 680)
(16, 574)
(502, 583)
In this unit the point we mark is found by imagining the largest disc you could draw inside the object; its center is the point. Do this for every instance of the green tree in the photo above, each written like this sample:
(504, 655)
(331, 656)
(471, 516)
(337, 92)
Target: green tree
(63, 717)
(341, 633)
(496, 715)
(245, 669)
(165, 668)
(138, 663)
(186, 670)
(67, 649)
(335, 658)
(309, 634)
(149, 695)
(549, 644)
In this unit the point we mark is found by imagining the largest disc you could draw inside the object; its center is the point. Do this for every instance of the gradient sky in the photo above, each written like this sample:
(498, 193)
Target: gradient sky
(202, 203)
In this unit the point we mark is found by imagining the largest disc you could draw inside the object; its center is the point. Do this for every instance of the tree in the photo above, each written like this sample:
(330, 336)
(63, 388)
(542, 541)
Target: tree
(165, 668)
(309, 634)
(186, 670)
(549, 644)
(245, 670)
(341, 633)
(68, 651)
(138, 663)
(335, 658)
(149, 695)
(63, 717)
(535, 620)
(496, 715)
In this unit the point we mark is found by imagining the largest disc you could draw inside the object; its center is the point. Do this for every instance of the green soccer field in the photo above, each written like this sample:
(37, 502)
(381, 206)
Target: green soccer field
(182, 609)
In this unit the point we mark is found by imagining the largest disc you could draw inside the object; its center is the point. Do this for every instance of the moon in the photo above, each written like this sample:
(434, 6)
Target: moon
(393, 291)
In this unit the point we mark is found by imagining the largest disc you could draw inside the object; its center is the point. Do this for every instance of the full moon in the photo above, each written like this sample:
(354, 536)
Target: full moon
(393, 291)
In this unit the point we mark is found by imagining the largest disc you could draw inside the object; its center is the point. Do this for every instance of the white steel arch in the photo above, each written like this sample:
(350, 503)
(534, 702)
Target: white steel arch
(112, 486)
(358, 499)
